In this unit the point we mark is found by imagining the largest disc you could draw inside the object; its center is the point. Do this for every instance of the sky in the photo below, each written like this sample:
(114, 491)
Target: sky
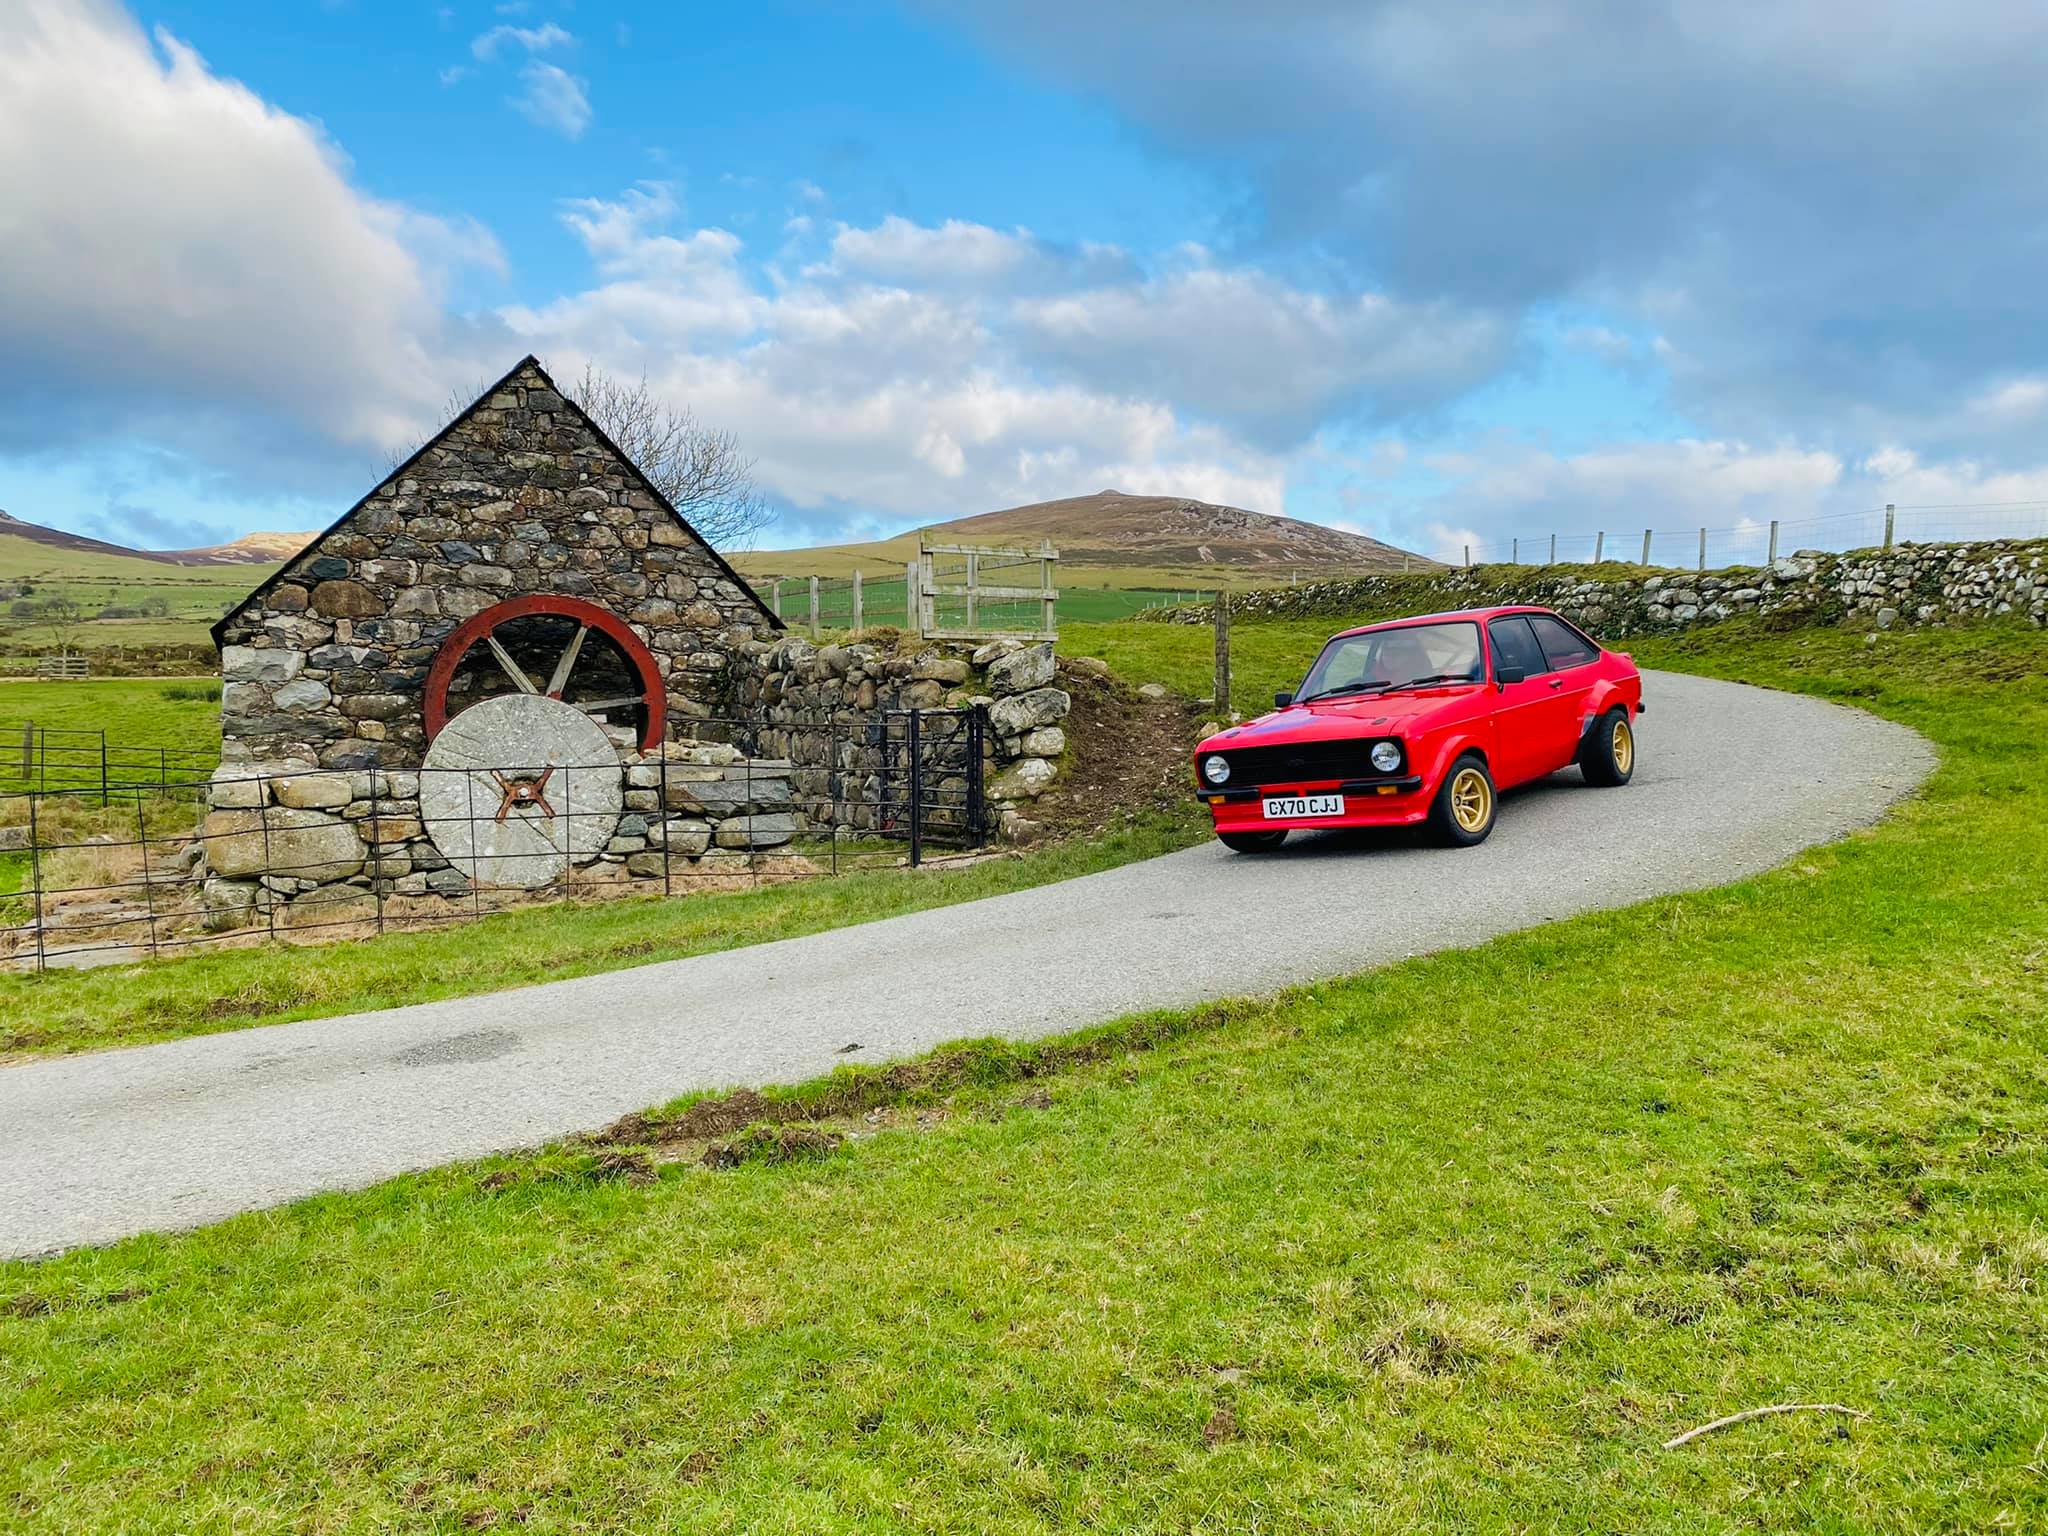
(1446, 275)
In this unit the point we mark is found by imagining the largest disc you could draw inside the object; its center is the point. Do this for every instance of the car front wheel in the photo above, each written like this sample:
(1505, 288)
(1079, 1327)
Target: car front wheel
(1463, 812)
(1253, 842)
(1608, 757)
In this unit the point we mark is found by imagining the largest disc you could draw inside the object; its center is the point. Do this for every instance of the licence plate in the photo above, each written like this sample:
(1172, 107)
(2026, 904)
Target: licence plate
(1300, 807)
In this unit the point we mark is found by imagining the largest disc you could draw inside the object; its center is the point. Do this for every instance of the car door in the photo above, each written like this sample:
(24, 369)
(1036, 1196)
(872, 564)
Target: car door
(1571, 658)
(1524, 712)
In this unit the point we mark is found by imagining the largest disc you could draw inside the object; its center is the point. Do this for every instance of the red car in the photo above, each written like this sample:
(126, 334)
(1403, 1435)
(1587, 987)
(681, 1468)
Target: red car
(1424, 720)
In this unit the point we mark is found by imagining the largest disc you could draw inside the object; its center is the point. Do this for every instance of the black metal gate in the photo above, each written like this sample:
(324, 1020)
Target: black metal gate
(931, 777)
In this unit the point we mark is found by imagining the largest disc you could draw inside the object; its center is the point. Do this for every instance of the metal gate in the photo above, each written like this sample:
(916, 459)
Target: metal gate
(931, 777)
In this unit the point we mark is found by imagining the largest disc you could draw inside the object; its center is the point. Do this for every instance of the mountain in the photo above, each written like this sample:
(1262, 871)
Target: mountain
(250, 549)
(1140, 537)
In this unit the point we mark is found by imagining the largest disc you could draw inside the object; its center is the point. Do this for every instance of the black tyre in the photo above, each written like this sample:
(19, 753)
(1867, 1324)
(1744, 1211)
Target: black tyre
(1253, 842)
(1466, 803)
(1608, 757)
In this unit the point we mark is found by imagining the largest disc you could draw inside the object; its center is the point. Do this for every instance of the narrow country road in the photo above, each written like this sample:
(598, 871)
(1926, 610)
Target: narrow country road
(1730, 781)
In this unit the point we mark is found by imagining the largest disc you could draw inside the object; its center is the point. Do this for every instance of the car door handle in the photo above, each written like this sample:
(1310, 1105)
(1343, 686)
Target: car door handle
(1557, 682)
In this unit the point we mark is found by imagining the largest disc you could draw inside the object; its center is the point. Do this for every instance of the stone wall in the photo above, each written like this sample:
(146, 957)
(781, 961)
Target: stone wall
(822, 707)
(1910, 584)
(328, 663)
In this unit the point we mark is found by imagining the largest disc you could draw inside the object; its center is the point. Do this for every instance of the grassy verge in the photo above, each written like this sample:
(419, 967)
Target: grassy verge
(201, 993)
(1456, 1245)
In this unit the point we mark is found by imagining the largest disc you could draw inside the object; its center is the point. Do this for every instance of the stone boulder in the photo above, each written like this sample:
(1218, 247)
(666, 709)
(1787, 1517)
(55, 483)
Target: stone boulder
(1022, 780)
(1021, 671)
(764, 831)
(1021, 712)
(305, 844)
(311, 791)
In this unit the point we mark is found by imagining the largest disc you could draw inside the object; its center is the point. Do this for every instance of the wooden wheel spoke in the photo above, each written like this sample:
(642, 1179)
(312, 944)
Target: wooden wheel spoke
(567, 664)
(592, 706)
(512, 668)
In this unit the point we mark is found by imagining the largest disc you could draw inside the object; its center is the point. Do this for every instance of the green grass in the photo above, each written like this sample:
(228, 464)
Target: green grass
(1453, 1246)
(203, 992)
(181, 714)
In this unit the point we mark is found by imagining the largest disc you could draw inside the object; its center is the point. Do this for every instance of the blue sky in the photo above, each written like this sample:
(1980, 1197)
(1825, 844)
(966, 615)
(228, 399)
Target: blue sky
(1445, 275)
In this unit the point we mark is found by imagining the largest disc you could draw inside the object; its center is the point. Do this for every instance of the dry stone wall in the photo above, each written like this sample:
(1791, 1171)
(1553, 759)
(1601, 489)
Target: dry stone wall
(328, 663)
(1910, 584)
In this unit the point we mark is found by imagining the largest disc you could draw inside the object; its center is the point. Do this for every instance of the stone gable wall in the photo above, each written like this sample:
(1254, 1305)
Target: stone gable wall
(330, 663)
(1909, 584)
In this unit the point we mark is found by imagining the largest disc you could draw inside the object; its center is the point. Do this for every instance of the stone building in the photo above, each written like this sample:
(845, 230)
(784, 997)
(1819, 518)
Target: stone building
(519, 527)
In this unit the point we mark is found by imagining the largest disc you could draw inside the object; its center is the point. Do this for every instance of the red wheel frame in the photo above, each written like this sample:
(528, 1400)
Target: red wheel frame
(473, 630)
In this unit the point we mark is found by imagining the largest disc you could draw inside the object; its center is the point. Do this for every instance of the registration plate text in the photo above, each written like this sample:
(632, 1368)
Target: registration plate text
(1300, 807)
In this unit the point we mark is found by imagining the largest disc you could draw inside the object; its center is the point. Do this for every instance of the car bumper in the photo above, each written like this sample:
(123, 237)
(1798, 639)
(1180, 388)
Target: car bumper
(1367, 803)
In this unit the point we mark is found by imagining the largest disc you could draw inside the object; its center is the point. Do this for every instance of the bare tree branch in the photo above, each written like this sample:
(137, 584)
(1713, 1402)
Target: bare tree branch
(700, 469)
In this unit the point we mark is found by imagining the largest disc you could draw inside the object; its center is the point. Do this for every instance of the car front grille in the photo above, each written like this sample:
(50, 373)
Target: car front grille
(1301, 763)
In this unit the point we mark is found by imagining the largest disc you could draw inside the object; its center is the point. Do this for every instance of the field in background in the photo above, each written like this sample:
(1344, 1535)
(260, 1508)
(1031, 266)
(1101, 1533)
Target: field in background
(1461, 1242)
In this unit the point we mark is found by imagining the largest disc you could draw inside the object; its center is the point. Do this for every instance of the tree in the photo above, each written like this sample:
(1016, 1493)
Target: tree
(699, 468)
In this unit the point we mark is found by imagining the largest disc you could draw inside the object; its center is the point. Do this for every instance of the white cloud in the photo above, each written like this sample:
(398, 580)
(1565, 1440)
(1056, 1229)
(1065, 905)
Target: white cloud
(173, 247)
(533, 39)
(554, 99)
(959, 252)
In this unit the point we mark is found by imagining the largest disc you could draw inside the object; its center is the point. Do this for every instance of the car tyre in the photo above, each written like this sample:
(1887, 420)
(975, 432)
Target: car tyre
(1608, 755)
(1466, 803)
(1253, 842)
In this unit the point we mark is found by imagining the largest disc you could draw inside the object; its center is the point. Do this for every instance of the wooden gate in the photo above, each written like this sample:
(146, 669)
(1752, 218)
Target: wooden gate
(950, 597)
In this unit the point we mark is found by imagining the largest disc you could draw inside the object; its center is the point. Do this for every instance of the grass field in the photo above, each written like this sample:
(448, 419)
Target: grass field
(1456, 1245)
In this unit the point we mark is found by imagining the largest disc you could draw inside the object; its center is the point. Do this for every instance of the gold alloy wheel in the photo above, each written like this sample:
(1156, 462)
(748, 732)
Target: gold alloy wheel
(1471, 800)
(1624, 747)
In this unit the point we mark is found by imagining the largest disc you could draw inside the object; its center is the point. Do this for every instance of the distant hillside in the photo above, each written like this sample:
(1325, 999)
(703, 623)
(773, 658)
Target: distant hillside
(1168, 539)
(250, 549)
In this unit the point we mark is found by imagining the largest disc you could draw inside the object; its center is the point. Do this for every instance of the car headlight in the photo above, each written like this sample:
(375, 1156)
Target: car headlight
(1215, 770)
(1386, 756)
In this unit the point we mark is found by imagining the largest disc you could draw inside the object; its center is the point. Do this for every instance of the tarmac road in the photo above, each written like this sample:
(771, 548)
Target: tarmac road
(1729, 781)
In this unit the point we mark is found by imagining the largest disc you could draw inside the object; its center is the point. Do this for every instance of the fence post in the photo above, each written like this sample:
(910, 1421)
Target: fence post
(916, 793)
(1703, 549)
(1515, 550)
(1773, 559)
(856, 619)
(973, 580)
(1468, 557)
(1048, 615)
(1553, 549)
(1646, 546)
(1222, 697)
(1599, 546)
(1889, 511)
(35, 876)
(814, 607)
(775, 597)
(28, 751)
(103, 760)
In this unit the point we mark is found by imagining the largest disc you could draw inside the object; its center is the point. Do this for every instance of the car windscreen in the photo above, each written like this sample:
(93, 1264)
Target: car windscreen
(1381, 659)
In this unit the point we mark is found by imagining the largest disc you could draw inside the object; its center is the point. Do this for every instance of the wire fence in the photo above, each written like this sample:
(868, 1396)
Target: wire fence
(1758, 541)
(45, 758)
(106, 872)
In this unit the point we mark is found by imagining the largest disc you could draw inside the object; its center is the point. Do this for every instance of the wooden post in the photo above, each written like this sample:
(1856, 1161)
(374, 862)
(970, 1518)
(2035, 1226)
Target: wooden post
(1222, 700)
(1049, 622)
(1889, 511)
(1646, 546)
(1515, 550)
(973, 578)
(856, 630)
(1773, 560)
(1703, 549)
(814, 607)
(28, 751)
(1468, 557)
(775, 597)
(1404, 562)
(1553, 549)
(1599, 546)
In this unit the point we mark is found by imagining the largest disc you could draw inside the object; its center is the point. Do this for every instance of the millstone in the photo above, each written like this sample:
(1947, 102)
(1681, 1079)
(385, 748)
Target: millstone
(518, 788)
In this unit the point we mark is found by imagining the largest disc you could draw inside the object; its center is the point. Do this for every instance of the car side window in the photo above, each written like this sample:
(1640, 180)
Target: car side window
(1563, 645)
(1514, 645)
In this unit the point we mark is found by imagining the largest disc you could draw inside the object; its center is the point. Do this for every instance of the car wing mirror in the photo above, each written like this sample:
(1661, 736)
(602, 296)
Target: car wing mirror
(1505, 674)
(1282, 700)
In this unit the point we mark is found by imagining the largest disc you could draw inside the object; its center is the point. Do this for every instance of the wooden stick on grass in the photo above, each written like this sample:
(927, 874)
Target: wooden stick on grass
(1759, 1413)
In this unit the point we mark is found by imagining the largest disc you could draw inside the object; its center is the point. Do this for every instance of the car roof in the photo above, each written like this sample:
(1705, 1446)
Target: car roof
(1468, 615)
